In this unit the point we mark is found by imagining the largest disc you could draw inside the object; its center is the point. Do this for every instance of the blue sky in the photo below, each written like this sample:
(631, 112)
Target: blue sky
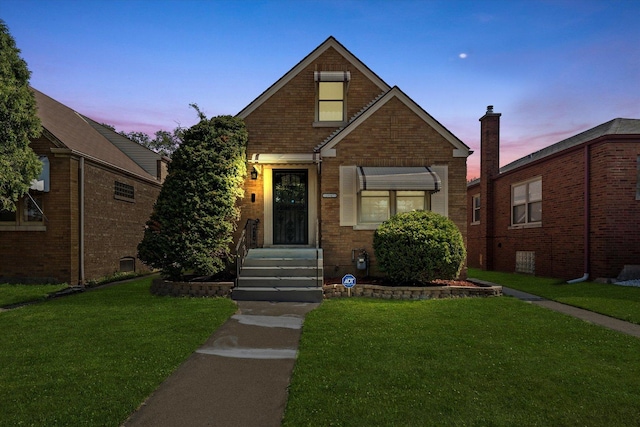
(552, 68)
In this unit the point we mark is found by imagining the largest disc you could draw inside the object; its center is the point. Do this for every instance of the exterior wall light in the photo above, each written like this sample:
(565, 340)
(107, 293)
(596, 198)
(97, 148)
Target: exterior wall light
(254, 173)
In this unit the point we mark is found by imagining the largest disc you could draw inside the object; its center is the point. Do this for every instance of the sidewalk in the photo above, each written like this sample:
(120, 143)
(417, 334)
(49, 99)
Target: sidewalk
(586, 315)
(239, 377)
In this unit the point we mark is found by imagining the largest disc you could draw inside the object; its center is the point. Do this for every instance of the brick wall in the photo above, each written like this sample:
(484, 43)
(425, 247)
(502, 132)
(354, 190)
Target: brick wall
(50, 255)
(412, 143)
(113, 227)
(559, 243)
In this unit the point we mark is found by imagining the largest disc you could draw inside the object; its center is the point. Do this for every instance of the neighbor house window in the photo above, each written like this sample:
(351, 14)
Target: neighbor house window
(28, 213)
(377, 206)
(122, 191)
(331, 96)
(526, 203)
(475, 209)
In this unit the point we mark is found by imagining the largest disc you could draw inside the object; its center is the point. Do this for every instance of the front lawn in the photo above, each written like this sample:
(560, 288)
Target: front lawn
(91, 359)
(14, 294)
(474, 362)
(621, 302)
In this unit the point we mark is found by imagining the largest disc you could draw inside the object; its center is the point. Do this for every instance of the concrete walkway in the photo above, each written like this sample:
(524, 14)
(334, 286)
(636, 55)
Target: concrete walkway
(239, 377)
(586, 315)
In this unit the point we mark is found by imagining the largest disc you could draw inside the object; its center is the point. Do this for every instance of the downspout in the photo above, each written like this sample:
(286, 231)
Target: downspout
(587, 216)
(81, 212)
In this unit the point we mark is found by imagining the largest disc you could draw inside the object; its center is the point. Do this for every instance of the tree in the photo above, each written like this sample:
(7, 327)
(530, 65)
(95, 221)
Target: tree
(19, 123)
(193, 220)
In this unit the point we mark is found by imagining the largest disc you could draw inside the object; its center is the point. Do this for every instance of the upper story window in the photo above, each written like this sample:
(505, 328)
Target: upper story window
(331, 96)
(475, 209)
(526, 203)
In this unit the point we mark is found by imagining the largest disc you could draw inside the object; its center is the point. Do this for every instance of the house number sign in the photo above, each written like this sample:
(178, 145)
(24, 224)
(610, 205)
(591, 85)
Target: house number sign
(329, 195)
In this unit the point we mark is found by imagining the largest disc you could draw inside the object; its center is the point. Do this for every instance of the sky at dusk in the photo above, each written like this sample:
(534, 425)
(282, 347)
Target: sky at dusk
(552, 68)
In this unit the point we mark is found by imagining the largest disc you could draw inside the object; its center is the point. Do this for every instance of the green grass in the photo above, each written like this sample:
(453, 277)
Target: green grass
(91, 359)
(621, 302)
(15, 294)
(462, 362)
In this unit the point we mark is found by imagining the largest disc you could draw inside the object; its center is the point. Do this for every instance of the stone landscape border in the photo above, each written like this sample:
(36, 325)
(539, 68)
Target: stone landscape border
(223, 289)
(411, 292)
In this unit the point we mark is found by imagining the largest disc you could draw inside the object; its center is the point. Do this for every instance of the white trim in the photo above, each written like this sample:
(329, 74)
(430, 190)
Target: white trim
(312, 196)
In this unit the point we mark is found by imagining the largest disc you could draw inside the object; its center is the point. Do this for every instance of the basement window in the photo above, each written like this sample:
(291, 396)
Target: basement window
(127, 264)
(122, 191)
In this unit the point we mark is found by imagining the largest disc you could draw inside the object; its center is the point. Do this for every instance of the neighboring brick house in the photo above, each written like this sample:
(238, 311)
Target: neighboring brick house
(334, 150)
(569, 210)
(85, 216)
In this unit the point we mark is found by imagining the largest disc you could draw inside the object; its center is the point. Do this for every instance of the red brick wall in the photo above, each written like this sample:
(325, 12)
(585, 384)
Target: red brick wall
(50, 255)
(414, 143)
(559, 243)
(113, 228)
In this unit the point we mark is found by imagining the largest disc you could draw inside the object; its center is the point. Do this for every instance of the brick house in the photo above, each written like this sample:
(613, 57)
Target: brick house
(569, 210)
(85, 216)
(334, 150)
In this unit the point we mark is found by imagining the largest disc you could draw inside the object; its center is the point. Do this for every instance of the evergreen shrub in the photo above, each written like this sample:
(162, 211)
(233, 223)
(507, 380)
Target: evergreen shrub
(191, 228)
(418, 247)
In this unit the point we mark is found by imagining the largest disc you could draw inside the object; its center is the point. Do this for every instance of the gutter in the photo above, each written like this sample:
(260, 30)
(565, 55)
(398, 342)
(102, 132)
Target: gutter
(81, 214)
(587, 215)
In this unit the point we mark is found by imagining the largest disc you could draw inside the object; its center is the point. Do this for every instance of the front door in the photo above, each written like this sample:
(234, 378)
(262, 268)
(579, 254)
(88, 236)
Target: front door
(290, 207)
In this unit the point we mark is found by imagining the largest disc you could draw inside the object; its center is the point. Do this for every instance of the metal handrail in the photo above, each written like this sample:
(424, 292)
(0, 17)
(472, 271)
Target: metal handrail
(248, 240)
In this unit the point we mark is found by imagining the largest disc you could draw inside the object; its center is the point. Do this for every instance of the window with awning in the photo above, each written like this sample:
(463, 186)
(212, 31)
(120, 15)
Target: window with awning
(398, 178)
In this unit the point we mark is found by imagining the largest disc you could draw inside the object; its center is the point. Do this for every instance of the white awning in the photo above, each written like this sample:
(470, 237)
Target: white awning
(292, 158)
(332, 76)
(398, 178)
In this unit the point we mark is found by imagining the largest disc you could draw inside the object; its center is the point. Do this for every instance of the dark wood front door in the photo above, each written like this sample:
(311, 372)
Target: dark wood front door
(290, 207)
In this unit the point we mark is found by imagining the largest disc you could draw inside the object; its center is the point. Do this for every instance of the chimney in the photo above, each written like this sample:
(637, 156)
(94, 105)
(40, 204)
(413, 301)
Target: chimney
(490, 144)
(489, 170)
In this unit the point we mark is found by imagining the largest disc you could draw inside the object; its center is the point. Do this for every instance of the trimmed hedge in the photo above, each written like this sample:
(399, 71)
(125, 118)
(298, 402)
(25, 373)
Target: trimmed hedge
(418, 247)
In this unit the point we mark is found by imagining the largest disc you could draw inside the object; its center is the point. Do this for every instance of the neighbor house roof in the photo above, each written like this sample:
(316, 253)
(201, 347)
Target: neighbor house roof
(617, 126)
(331, 42)
(69, 129)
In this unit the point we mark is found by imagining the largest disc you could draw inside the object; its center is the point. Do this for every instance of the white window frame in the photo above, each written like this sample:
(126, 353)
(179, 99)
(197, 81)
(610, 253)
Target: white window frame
(527, 203)
(392, 203)
(475, 209)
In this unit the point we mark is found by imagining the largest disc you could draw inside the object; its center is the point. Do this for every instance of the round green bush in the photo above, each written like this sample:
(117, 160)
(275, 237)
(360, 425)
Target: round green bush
(418, 247)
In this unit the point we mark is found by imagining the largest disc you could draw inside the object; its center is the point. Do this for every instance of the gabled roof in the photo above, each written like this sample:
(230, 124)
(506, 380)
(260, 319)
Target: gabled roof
(326, 147)
(71, 130)
(613, 127)
(331, 42)
(145, 158)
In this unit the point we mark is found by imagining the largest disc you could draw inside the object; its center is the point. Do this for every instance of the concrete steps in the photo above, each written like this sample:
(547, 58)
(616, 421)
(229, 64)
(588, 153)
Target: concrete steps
(281, 274)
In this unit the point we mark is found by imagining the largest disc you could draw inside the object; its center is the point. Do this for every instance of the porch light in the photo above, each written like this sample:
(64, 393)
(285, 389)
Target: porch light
(254, 173)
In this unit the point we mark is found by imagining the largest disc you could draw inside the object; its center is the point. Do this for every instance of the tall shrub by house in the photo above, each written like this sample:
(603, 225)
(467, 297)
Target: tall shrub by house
(192, 224)
(418, 247)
